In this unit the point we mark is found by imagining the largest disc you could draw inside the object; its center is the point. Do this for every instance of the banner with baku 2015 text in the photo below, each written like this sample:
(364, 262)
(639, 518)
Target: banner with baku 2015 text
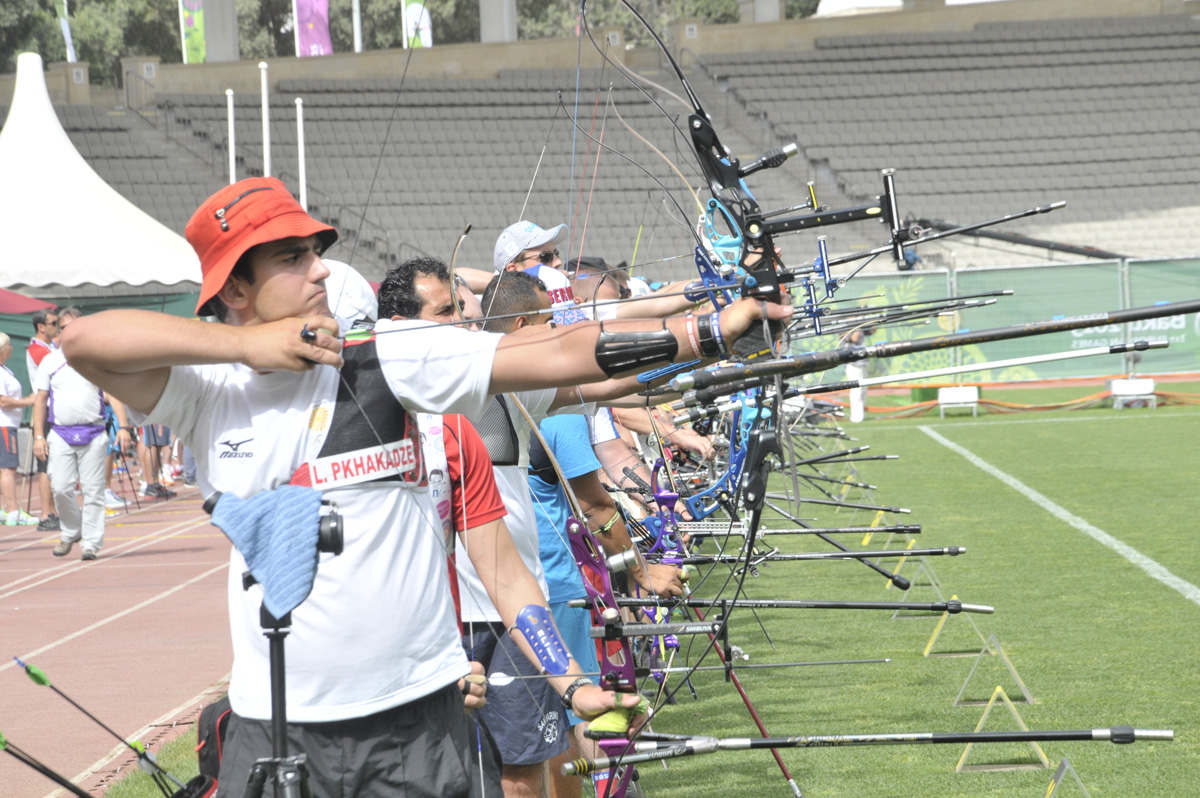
(312, 28)
(191, 14)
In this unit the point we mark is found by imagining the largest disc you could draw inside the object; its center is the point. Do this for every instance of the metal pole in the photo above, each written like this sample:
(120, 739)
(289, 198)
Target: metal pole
(356, 13)
(296, 28)
(232, 149)
(182, 34)
(266, 122)
(300, 152)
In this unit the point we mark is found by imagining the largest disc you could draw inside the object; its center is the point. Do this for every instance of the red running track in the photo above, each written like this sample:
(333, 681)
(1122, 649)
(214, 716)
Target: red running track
(139, 637)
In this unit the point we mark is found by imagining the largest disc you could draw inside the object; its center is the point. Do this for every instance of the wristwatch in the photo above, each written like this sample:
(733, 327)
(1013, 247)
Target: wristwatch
(569, 693)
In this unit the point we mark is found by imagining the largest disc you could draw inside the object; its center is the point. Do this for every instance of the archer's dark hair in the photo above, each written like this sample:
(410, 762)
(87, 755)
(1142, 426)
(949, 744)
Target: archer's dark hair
(398, 291)
(507, 293)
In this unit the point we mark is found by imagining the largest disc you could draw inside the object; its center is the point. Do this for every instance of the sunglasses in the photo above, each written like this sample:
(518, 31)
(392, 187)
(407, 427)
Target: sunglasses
(544, 258)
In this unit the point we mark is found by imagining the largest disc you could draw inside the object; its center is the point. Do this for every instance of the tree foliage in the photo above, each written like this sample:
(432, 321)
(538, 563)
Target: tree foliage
(798, 9)
(105, 30)
(102, 31)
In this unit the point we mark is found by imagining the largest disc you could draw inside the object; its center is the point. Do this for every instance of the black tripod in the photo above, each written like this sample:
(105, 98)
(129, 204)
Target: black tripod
(290, 773)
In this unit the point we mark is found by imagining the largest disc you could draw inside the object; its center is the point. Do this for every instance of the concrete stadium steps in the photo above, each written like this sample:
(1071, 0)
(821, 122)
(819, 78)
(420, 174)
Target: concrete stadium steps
(978, 124)
(1100, 113)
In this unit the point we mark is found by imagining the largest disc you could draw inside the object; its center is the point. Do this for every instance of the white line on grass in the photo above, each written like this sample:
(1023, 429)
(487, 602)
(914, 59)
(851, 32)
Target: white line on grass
(1059, 420)
(1152, 568)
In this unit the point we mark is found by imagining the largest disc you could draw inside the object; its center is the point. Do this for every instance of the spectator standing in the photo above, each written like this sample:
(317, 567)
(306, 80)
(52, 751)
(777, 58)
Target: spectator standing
(11, 403)
(45, 330)
(76, 447)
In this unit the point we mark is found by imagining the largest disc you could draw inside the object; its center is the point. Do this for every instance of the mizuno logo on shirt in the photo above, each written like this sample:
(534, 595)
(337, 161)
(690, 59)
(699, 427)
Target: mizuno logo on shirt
(234, 450)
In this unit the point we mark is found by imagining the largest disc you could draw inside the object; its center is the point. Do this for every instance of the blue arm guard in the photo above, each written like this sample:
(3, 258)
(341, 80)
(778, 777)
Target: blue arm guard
(534, 622)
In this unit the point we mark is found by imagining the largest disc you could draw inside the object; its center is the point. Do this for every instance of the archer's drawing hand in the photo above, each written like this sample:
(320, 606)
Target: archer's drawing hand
(474, 687)
(280, 346)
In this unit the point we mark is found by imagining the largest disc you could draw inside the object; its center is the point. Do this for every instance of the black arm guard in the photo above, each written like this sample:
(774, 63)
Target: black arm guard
(618, 352)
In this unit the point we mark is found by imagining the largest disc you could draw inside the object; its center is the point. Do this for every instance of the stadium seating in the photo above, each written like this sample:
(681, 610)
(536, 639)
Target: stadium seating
(1100, 113)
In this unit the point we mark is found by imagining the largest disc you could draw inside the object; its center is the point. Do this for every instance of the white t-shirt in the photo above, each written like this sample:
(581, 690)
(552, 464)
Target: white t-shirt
(378, 629)
(74, 399)
(10, 386)
(513, 483)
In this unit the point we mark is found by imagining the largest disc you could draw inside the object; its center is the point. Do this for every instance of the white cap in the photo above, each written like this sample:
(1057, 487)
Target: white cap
(521, 236)
(351, 297)
(639, 287)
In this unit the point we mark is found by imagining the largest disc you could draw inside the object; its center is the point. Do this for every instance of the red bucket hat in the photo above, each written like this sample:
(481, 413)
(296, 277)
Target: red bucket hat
(247, 213)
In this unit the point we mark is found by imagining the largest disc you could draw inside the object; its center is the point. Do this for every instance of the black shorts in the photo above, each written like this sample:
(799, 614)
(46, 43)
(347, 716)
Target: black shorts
(418, 749)
(156, 435)
(526, 717)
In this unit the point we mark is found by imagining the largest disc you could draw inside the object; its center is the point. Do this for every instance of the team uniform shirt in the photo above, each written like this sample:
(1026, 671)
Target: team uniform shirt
(378, 629)
(567, 437)
(10, 386)
(521, 521)
(562, 298)
(74, 399)
(35, 354)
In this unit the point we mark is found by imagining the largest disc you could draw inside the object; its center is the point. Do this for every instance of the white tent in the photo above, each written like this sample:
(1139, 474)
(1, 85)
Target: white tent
(63, 224)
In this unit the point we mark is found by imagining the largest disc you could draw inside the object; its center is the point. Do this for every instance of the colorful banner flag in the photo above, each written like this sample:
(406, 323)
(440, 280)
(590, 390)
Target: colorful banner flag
(65, 24)
(191, 14)
(417, 24)
(312, 28)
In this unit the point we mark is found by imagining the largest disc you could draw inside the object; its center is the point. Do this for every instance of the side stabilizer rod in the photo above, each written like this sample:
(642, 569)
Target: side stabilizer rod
(649, 751)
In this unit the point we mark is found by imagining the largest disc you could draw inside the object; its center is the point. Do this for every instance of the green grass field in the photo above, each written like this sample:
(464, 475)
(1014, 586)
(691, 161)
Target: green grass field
(1097, 641)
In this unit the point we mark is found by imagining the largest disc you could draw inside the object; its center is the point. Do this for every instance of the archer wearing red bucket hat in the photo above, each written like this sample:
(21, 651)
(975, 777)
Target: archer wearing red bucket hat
(238, 218)
(273, 398)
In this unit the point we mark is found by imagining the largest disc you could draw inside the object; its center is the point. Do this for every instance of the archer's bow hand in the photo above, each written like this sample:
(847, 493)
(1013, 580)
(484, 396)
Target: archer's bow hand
(591, 701)
(283, 346)
(742, 314)
(662, 580)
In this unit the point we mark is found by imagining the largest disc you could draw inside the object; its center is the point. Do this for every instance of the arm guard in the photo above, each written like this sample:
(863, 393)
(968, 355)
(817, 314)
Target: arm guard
(619, 352)
(535, 624)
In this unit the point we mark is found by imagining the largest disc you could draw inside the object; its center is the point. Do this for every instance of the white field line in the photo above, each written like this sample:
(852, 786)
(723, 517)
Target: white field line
(116, 616)
(1061, 420)
(66, 567)
(1153, 569)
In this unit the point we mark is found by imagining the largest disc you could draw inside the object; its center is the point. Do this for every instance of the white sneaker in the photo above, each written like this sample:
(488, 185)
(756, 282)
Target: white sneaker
(142, 488)
(112, 501)
(165, 475)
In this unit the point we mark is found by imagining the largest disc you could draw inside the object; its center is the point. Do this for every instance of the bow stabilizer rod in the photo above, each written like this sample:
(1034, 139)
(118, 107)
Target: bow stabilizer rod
(821, 361)
(649, 751)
